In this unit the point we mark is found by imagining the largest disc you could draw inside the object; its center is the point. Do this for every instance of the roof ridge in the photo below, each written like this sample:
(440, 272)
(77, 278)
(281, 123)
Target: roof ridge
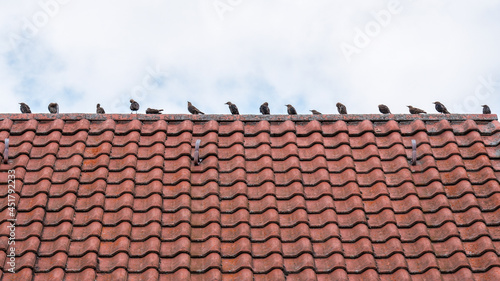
(248, 117)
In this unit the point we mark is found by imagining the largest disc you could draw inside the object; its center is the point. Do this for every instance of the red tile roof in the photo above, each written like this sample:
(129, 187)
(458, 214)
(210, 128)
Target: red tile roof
(322, 197)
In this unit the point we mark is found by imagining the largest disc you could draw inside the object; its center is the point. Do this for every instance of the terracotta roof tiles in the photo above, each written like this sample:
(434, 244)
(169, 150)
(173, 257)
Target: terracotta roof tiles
(322, 197)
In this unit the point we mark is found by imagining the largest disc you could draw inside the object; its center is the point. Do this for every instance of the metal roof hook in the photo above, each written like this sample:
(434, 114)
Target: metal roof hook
(414, 152)
(197, 159)
(6, 152)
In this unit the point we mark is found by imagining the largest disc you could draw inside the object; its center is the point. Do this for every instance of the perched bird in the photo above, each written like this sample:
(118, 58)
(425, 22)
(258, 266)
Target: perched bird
(264, 109)
(193, 109)
(290, 109)
(486, 109)
(414, 110)
(384, 109)
(153, 111)
(53, 108)
(341, 108)
(134, 106)
(315, 112)
(233, 108)
(441, 108)
(99, 109)
(25, 108)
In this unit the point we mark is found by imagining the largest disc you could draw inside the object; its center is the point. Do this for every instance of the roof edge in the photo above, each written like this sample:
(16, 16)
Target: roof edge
(250, 118)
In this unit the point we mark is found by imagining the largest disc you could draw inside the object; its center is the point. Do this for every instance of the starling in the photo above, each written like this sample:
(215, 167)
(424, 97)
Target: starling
(134, 106)
(291, 110)
(25, 108)
(315, 112)
(341, 108)
(53, 108)
(193, 109)
(384, 109)
(153, 111)
(486, 109)
(233, 108)
(414, 110)
(99, 109)
(441, 108)
(264, 109)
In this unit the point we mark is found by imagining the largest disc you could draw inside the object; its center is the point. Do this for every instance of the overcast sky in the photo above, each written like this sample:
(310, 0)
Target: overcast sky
(310, 54)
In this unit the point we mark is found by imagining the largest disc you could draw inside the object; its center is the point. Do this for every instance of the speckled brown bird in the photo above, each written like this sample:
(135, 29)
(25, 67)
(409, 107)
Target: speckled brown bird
(384, 109)
(134, 106)
(341, 108)
(53, 108)
(193, 110)
(486, 109)
(414, 110)
(290, 109)
(441, 108)
(315, 112)
(233, 108)
(99, 109)
(264, 109)
(24, 108)
(153, 111)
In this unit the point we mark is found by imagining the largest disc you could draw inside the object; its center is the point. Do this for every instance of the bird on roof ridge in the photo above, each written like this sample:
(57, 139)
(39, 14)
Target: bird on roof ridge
(486, 109)
(290, 109)
(193, 110)
(441, 108)
(414, 110)
(233, 108)
(153, 111)
(134, 106)
(315, 112)
(264, 109)
(99, 109)
(53, 108)
(341, 108)
(384, 109)
(24, 108)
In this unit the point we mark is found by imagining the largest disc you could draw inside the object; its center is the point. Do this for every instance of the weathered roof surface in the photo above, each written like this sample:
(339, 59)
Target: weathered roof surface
(305, 197)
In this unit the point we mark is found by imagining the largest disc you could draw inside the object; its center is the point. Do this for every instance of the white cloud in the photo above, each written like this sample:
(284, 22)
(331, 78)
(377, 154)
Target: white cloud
(276, 51)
